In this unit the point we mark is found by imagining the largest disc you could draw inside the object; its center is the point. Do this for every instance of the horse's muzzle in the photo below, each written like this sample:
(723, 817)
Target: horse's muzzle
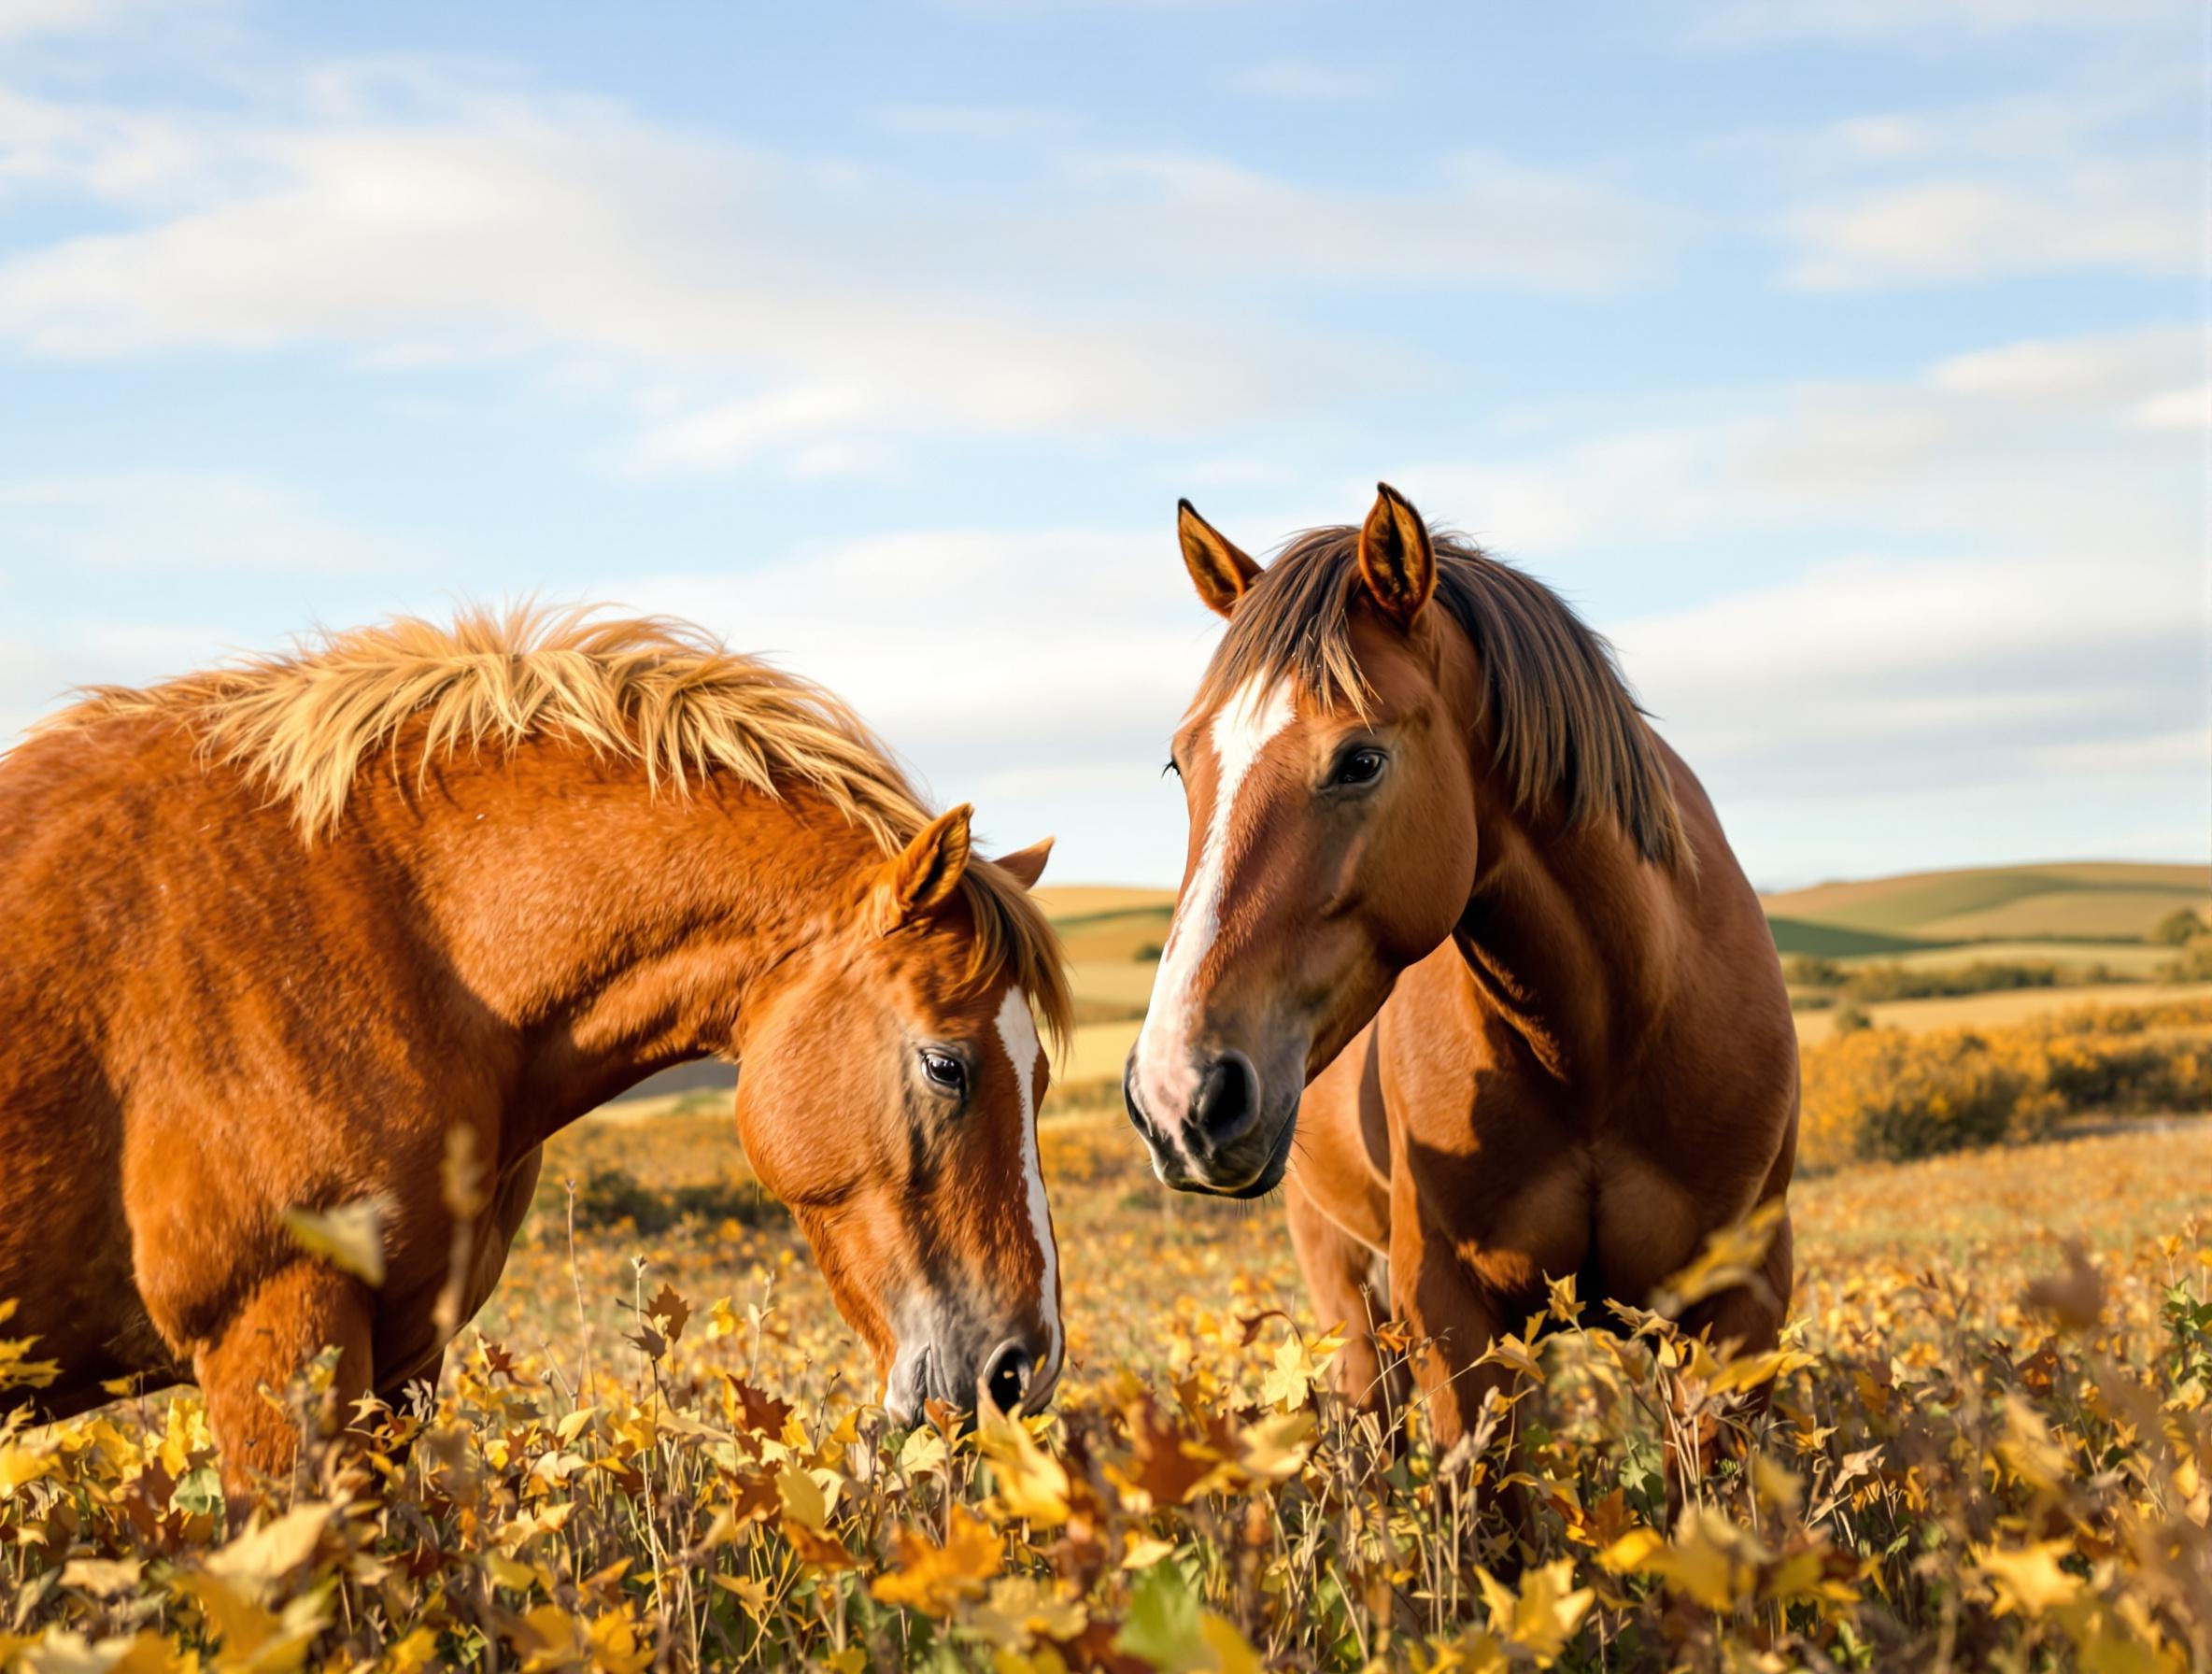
(1222, 1144)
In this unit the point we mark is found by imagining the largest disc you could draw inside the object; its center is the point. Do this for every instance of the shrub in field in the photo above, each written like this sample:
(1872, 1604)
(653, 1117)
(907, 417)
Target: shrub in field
(1874, 1094)
(1873, 983)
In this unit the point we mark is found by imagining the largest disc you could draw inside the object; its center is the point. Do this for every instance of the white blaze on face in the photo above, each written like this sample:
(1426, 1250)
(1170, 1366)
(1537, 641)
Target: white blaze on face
(1165, 1075)
(1017, 1032)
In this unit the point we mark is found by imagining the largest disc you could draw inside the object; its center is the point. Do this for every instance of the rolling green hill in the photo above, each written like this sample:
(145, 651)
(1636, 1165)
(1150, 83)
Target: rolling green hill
(2095, 901)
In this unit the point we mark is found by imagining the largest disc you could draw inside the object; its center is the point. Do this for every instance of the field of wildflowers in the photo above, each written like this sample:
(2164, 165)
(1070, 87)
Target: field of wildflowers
(1992, 1445)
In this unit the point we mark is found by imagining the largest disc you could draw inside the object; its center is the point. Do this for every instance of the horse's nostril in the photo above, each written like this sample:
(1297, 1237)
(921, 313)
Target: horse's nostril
(1006, 1380)
(1227, 1103)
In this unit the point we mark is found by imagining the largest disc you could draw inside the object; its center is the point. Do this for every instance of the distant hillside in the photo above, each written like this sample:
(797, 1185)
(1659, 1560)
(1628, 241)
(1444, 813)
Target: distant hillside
(2088, 900)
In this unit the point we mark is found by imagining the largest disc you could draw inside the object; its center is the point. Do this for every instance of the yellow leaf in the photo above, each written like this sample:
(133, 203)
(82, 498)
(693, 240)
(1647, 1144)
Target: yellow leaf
(416, 1652)
(1032, 1485)
(1731, 1256)
(1141, 1552)
(1276, 1448)
(1020, 1608)
(349, 1237)
(2028, 1577)
(262, 1556)
(934, 1578)
(1299, 1367)
(802, 1497)
(1232, 1653)
(20, 1466)
(1543, 1615)
(1632, 1551)
(1751, 1370)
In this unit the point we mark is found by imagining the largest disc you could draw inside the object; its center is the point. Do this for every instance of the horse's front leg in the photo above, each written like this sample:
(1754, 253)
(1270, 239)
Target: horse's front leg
(1454, 1320)
(1751, 1317)
(1347, 1292)
(246, 1368)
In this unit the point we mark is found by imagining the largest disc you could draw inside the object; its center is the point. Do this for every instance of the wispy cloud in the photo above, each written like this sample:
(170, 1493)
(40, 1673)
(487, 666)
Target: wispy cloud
(1300, 81)
(412, 216)
(2055, 180)
(176, 521)
(2130, 216)
(2023, 588)
(1750, 22)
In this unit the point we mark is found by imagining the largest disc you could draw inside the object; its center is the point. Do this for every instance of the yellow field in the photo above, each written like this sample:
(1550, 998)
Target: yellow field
(1985, 1448)
(2012, 1005)
(1084, 900)
(2129, 960)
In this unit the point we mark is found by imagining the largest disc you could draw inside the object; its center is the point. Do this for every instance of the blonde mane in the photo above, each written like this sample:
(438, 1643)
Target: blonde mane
(1565, 731)
(656, 691)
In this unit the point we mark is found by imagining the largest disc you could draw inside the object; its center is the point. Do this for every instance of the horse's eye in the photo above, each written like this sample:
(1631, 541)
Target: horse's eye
(1359, 767)
(944, 1071)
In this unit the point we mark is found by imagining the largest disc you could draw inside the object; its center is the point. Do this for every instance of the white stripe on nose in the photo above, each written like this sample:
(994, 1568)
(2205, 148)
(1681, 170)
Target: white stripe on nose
(1167, 1076)
(1017, 1032)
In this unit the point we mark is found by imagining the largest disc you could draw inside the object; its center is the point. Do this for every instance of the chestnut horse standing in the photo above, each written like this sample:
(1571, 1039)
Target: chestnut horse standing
(1414, 776)
(277, 930)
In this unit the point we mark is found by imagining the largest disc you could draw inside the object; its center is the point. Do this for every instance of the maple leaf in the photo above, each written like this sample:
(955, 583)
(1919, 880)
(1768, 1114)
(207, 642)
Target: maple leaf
(2028, 1577)
(935, 1579)
(669, 1310)
(1543, 1616)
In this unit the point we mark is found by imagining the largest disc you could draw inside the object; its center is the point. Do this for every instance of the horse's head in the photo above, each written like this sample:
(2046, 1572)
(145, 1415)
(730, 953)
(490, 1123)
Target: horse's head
(888, 1091)
(1332, 838)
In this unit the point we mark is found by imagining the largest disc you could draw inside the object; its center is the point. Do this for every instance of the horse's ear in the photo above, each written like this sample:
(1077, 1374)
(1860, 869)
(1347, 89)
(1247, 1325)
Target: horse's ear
(1219, 570)
(1396, 560)
(1026, 865)
(916, 882)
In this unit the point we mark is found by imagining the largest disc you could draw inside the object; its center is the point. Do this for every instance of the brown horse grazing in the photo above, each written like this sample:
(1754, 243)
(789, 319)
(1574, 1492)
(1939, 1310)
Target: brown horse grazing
(281, 934)
(1416, 776)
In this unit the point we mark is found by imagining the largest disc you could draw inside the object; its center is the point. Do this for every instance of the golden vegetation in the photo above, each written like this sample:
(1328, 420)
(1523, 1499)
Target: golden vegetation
(657, 1450)
(1888, 1094)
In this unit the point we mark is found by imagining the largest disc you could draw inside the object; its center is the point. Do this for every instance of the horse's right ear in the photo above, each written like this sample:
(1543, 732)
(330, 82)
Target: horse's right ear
(917, 881)
(1396, 558)
(1220, 571)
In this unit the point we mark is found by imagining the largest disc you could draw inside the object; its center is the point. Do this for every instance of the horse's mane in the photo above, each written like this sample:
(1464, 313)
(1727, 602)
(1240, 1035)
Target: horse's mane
(1567, 732)
(653, 690)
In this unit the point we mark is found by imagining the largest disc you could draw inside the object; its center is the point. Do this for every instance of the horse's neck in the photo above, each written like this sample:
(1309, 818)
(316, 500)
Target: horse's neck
(607, 933)
(1570, 937)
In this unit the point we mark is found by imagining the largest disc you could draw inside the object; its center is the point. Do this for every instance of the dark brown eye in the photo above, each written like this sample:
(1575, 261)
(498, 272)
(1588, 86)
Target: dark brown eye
(944, 1071)
(1358, 767)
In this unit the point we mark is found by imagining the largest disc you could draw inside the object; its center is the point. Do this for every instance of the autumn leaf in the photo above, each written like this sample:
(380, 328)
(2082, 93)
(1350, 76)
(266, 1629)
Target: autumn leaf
(2028, 1578)
(1543, 1616)
(1031, 1483)
(671, 1311)
(1732, 1256)
(934, 1579)
(349, 1237)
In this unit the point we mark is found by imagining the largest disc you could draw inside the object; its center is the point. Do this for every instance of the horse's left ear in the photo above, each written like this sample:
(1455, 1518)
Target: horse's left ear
(917, 881)
(1396, 560)
(1026, 865)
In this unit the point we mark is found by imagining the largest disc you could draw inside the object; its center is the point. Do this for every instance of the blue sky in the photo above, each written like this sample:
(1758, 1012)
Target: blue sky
(1844, 360)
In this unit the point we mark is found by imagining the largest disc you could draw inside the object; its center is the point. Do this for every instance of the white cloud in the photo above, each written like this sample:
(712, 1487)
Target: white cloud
(2024, 595)
(414, 218)
(1027, 669)
(1295, 82)
(1481, 219)
(174, 521)
(1755, 22)
(2135, 217)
